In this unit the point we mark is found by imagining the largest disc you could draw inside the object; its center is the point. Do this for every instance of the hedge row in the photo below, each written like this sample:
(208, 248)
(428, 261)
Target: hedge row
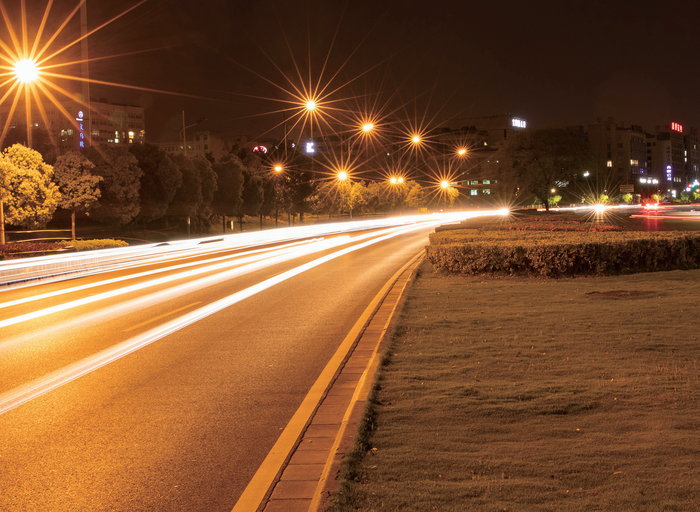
(561, 254)
(91, 245)
(29, 248)
(531, 223)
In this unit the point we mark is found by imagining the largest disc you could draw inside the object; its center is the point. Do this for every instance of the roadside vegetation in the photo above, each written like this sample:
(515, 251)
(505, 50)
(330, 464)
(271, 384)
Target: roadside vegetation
(29, 249)
(559, 246)
(534, 394)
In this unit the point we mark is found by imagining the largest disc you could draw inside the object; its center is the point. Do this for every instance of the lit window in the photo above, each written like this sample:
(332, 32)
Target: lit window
(487, 182)
(486, 191)
(609, 163)
(474, 192)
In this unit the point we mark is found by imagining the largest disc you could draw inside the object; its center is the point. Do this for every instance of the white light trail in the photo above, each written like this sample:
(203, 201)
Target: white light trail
(105, 282)
(25, 393)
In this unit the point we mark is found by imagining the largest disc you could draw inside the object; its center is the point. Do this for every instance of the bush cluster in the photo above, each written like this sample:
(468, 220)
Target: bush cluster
(560, 253)
(29, 248)
(91, 245)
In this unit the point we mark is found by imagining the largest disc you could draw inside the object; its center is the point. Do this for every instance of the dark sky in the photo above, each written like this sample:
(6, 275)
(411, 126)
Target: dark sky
(551, 62)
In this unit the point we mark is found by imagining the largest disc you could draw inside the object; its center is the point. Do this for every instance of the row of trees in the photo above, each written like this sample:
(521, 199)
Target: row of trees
(120, 185)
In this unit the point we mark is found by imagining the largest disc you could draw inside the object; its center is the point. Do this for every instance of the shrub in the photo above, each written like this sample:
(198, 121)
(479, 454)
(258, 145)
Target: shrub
(90, 245)
(562, 253)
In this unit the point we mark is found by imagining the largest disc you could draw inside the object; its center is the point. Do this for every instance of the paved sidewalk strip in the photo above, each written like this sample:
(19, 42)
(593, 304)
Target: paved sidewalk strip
(311, 473)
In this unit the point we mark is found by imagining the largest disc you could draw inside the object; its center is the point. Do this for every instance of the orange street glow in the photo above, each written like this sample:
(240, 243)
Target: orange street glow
(342, 175)
(445, 184)
(26, 71)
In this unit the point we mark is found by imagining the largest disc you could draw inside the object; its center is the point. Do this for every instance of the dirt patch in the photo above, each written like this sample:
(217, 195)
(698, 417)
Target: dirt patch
(620, 294)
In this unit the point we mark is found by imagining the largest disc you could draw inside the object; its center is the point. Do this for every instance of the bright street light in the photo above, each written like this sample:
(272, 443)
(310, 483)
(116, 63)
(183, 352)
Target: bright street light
(310, 105)
(278, 168)
(393, 181)
(415, 139)
(445, 184)
(462, 152)
(400, 180)
(342, 175)
(367, 127)
(26, 71)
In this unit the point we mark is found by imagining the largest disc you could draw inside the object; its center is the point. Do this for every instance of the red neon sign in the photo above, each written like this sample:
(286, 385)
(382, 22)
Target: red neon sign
(677, 127)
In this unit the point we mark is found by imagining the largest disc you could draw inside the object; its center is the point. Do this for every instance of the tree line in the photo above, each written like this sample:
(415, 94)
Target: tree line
(141, 184)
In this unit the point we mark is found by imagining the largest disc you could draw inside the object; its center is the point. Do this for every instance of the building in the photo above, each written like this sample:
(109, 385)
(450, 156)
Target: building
(107, 123)
(621, 153)
(666, 159)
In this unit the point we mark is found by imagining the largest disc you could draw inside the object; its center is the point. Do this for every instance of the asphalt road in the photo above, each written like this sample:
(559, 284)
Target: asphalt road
(183, 422)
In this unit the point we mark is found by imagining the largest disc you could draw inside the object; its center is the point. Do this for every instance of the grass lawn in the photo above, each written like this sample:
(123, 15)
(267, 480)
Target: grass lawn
(532, 394)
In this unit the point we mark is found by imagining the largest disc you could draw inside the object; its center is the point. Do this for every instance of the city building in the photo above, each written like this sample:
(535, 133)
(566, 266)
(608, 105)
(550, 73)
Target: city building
(621, 153)
(107, 123)
(666, 159)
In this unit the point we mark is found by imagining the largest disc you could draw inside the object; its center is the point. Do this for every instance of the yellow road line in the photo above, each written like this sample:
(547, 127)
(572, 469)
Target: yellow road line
(265, 476)
(161, 316)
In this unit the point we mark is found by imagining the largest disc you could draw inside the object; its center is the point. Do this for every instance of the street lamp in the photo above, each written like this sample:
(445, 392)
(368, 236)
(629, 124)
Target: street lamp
(461, 151)
(26, 71)
(278, 168)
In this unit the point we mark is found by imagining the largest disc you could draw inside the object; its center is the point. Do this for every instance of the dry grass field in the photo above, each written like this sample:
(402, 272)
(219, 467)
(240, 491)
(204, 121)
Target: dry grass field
(533, 394)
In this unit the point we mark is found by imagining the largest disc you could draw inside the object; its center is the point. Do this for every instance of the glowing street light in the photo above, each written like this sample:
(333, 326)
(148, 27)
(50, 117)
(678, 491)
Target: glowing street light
(444, 184)
(310, 105)
(461, 151)
(415, 139)
(393, 181)
(400, 181)
(26, 71)
(278, 168)
(342, 175)
(367, 127)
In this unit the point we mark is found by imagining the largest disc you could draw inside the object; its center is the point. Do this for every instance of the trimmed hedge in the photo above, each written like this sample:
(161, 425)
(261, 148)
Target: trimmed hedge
(558, 254)
(91, 245)
(29, 249)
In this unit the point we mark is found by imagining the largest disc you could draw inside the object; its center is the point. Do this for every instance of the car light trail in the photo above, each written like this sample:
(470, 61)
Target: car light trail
(25, 393)
(254, 264)
(95, 261)
(105, 282)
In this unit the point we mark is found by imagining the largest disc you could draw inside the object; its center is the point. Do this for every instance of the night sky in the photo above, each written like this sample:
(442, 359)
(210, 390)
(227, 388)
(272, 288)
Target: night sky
(552, 63)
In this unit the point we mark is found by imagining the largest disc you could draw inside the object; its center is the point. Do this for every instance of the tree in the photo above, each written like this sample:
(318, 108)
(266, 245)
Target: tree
(30, 197)
(416, 196)
(537, 161)
(159, 182)
(207, 178)
(76, 183)
(229, 176)
(119, 201)
(251, 197)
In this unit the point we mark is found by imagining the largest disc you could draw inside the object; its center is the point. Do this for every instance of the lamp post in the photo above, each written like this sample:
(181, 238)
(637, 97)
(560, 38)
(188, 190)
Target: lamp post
(344, 180)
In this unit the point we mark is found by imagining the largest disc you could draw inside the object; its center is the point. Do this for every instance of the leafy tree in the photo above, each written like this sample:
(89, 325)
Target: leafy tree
(416, 196)
(30, 197)
(76, 183)
(627, 198)
(536, 161)
(188, 196)
(159, 182)
(227, 199)
(251, 197)
(207, 178)
(269, 187)
(451, 195)
(119, 202)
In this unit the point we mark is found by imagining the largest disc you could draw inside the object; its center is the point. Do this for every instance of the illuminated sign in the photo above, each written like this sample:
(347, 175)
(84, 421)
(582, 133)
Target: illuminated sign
(669, 173)
(519, 123)
(310, 147)
(677, 127)
(81, 129)
(260, 149)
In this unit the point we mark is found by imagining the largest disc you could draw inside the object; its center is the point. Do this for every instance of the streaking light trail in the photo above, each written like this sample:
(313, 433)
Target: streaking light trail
(23, 394)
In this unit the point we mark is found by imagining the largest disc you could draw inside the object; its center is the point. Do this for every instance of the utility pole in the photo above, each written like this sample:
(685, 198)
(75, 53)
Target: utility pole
(85, 71)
